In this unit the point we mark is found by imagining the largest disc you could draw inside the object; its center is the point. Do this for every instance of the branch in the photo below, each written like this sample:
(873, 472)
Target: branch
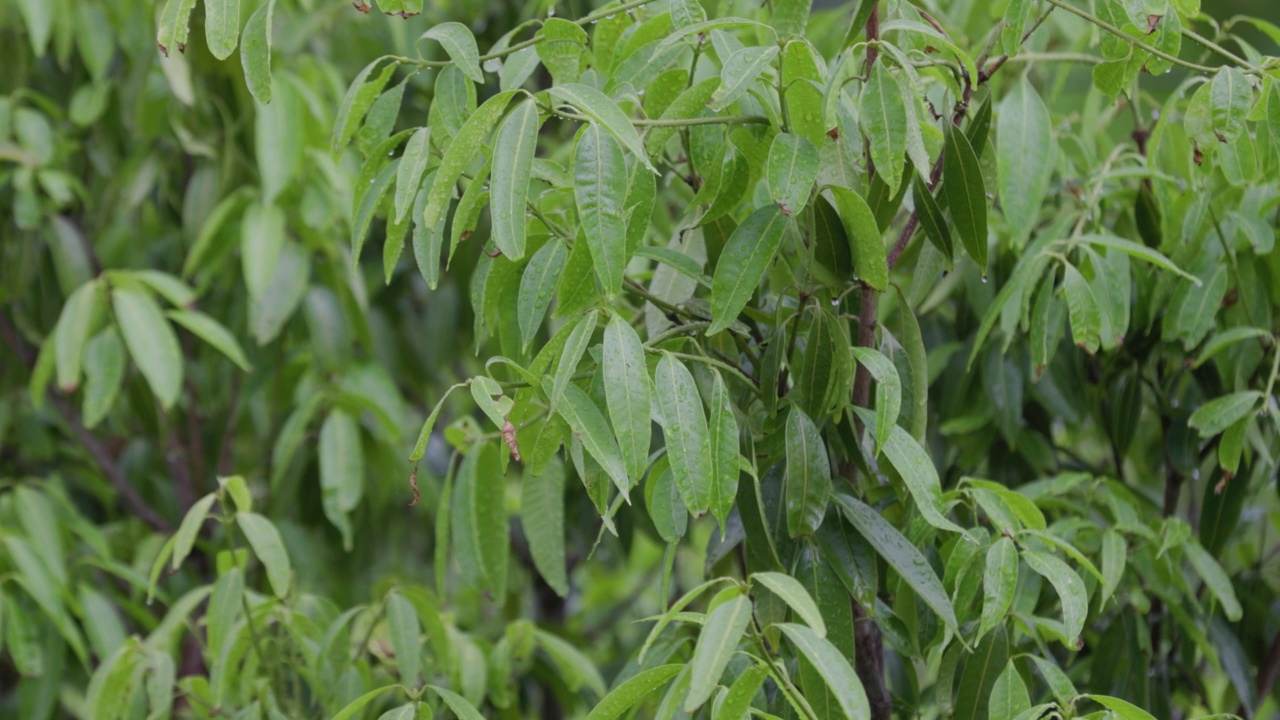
(1134, 41)
(97, 450)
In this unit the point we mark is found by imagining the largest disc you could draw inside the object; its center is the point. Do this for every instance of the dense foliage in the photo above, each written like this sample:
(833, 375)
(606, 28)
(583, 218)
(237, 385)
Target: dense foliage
(909, 359)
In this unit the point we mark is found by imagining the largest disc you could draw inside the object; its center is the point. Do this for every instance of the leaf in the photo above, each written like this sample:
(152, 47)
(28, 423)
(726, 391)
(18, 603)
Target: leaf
(459, 705)
(966, 194)
(791, 592)
(512, 161)
(1113, 562)
(634, 691)
(888, 391)
(104, 373)
(1139, 251)
(840, 678)
(723, 443)
(738, 700)
(460, 152)
(1024, 158)
(981, 668)
(739, 72)
(560, 47)
(935, 226)
(480, 521)
(267, 545)
(627, 394)
(1070, 588)
(341, 471)
(917, 471)
(542, 518)
(570, 356)
(71, 334)
(750, 250)
(716, 645)
(792, 170)
(866, 243)
(597, 106)
(999, 580)
(537, 287)
(405, 632)
(1123, 709)
(587, 422)
(600, 190)
(1009, 697)
(192, 522)
(221, 26)
(808, 483)
(262, 239)
(684, 426)
(1082, 309)
(460, 44)
(1215, 579)
(1230, 98)
(690, 102)
(413, 165)
(171, 34)
(255, 52)
(901, 555)
(1220, 413)
(355, 706)
(151, 343)
(884, 122)
(1225, 339)
(575, 668)
(212, 332)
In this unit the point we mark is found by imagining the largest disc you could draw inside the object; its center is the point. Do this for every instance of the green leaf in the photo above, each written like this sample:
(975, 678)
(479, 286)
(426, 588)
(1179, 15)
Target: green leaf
(966, 194)
(723, 442)
(225, 605)
(151, 342)
(570, 356)
(1082, 309)
(999, 580)
(808, 483)
(915, 467)
(684, 426)
(738, 700)
(537, 287)
(267, 545)
(460, 44)
(405, 632)
(597, 106)
(255, 52)
(1215, 579)
(574, 668)
(221, 26)
(192, 522)
(560, 47)
(1070, 588)
(716, 645)
(792, 170)
(355, 706)
(740, 71)
(542, 518)
(935, 226)
(175, 20)
(212, 332)
(104, 372)
(459, 705)
(1009, 697)
(634, 691)
(341, 471)
(1113, 562)
(749, 252)
(1122, 709)
(1139, 251)
(627, 394)
(1230, 98)
(884, 122)
(460, 153)
(480, 521)
(901, 555)
(866, 243)
(981, 669)
(1220, 413)
(413, 165)
(841, 680)
(1024, 158)
(262, 239)
(888, 391)
(600, 190)
(587, 422)
(1227, 338)
(71, 333)
(791, 592)
(512, 161)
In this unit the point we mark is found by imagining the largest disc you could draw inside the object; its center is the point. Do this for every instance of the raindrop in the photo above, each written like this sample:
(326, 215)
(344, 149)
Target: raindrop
(551, 12)
(984, 279)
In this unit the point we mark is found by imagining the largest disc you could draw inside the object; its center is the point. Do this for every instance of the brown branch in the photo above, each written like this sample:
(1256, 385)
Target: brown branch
(1269, 670)
(97, 450)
